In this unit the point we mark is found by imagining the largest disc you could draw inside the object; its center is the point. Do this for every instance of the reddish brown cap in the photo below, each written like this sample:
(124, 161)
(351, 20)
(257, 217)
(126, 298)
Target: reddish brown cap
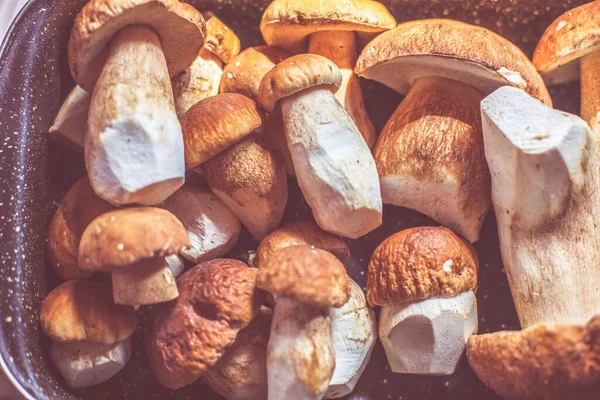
(81, 310)
(125, 237)
(306, 274)
(221, 40)
(549, 362)
(216, 299)
(420, 263)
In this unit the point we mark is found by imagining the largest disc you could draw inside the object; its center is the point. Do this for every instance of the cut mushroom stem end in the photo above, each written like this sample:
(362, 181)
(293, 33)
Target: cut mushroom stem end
(150, 282)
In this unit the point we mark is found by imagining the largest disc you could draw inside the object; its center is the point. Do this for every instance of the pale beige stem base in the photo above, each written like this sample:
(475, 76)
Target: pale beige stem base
(148, 282)
(590, 92)
(340, 47)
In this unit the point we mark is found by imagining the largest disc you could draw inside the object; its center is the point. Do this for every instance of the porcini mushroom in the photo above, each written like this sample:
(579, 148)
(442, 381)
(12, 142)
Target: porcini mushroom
(212, 228)
(354, 333)
(333, 164)
(134, 149)
(90, 334)
(424, 278)
(132, 244)
(70, 125)
(300, 355)
(545, 181)
(203, 78)
(430, 154)
(76, 211)
(328, 27)
(217, 299)
(568, 51)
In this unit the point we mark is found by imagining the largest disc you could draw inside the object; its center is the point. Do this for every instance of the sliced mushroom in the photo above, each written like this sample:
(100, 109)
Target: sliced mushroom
(70, 124)
(134, 149)
(333, 164)
(424, 278)
(430, 154)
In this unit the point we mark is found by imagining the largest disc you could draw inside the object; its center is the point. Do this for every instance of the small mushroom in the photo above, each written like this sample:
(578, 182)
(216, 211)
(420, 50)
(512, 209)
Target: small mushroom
(424, 278)
(241, 374)
(132, 244)
(333, 164)
(90, 334)
(354, 332)
(217, 299)
(301, 233)
(328, 27)
(430, 154)
(203, 77)
(70, 125)
(77, 210)
(300, 355)
(545, 181)
(134, 150)
(568, 51)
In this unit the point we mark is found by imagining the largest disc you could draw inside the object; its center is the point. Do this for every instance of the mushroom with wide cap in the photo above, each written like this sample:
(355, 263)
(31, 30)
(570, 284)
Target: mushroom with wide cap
(133, 148)
(333, 164)
(545, 181)
(568, 51)
(300, 356)
(425, 280)
(70, 125)
(203, 78)
(133, 244)
(226, 133)
(329, 28)
(430, 154)
(217, 299)
(90, 334)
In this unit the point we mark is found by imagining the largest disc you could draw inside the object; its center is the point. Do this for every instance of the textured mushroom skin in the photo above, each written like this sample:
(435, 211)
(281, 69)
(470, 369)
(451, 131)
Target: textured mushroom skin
(81, 310)
(543, 362)
(221, 40)
(217, 299)
(420, 263)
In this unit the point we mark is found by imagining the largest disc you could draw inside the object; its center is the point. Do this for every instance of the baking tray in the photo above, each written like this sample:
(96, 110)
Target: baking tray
(35, 173)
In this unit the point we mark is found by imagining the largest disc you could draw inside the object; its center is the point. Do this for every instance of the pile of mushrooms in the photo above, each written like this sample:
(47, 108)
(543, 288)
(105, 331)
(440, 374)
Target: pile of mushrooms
(160, 93)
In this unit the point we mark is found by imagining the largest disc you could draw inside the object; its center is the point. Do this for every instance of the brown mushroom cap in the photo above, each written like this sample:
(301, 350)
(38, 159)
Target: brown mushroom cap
(302, 233)
(546, 362)
(180, 26)
(125, 237)
(296, 74)
(244, 73)
(217, 123)
(216, 299)
(221, 40)
(76, 211)
(570, 37)
(420, 263)
(288, 23)
(80, 310)
(305, 274)
(449, 49)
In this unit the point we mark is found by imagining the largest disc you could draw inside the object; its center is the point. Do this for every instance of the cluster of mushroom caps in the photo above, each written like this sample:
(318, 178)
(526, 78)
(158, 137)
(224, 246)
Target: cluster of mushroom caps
(476, 128)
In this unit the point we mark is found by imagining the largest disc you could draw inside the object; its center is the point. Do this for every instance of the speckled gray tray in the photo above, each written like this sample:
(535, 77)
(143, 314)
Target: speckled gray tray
(35, 174)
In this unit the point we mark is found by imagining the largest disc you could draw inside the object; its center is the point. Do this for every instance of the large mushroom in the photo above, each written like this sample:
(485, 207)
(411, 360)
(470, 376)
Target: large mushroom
(134, 148)
(217, 299)
(545, 182)
(70, 125)
(133, 245)
(226, 133)
(328, 28)
(333, 164)
(300, 355)
(90, 334)
(430, 154)
(425, 280)
(568, 51)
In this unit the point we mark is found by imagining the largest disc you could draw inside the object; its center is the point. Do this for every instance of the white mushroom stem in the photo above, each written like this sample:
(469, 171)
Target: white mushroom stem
(590, 92)
(84, 364)
(340, 47)
(544, 166)
(134, 146)
(333, 164)
(147, 282)
(200, 81)
(428, 337)
(300, 357)
(176, 264)
(70, 124)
